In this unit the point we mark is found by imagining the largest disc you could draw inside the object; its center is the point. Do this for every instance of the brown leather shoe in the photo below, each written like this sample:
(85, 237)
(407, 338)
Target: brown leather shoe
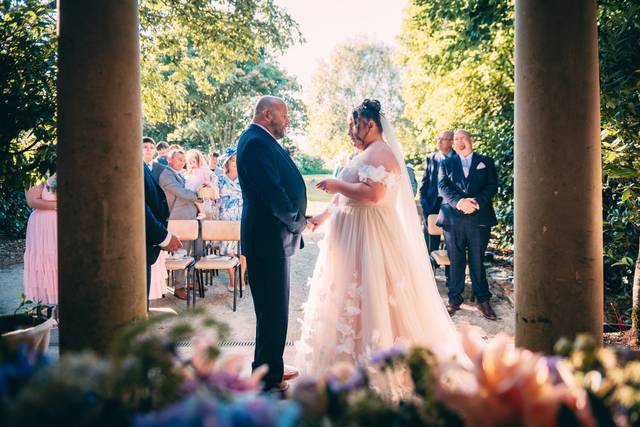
(180, 293)
(487, 311)
(452, 308)
(290, 374)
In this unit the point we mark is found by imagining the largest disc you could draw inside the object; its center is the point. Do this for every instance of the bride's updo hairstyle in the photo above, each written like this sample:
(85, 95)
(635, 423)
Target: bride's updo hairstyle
(370, 109)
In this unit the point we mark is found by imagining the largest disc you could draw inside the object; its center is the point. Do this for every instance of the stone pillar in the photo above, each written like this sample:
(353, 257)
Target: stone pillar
(558, 179)
(100, 199)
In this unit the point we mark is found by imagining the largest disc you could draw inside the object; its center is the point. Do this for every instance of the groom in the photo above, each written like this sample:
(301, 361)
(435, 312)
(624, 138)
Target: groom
(273, 218)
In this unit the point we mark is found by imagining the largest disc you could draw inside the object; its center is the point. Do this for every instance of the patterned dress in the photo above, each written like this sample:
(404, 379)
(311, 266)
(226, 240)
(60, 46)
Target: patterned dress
(230, 208)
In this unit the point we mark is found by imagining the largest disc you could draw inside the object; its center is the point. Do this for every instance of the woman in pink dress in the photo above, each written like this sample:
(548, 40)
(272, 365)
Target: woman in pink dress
(41, 254)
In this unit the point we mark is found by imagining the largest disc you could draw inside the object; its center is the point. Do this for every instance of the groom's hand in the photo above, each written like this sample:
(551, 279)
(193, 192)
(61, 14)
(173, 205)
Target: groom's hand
(173, 245)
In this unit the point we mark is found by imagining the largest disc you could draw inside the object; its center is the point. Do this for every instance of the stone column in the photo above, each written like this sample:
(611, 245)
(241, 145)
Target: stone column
(558, 183)
(100, 199)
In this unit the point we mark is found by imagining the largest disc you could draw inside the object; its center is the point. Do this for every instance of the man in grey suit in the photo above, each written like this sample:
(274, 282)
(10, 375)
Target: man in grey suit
(181, 202)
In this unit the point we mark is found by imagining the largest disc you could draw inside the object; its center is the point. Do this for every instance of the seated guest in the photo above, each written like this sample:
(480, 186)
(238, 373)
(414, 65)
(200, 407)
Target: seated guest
(341, 162)
(198, 174)
(412, 178)
(181, 201)
(41, 248)
(231, 207)
(162, 148)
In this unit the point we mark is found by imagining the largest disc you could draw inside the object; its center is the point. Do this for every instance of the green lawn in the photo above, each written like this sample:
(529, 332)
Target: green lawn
(313, 194)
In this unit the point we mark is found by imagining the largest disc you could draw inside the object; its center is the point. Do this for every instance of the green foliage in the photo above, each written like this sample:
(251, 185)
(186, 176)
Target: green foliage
(27, 104)
(458, 59)
(356, 70)
(204, 64)
(309, 164)
(619, 32)
(458, 68)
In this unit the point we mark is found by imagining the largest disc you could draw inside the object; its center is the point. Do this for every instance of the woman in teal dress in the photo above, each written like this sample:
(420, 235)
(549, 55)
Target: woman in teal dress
(230, 205)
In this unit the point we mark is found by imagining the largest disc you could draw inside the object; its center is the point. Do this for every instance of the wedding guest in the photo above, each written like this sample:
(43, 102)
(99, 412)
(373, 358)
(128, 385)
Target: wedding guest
(214, 165)
(162, 148)
(41, 251)
(467, 183)
(198, 174)
(412, 178)
(231, 207)
(181, 202)
(341, 161)
(158, 280)
(175, 147)
(148, 151)
(430, 200)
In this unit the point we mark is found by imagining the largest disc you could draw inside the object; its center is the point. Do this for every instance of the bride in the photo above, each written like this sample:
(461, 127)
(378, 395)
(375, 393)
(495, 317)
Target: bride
(372, 286)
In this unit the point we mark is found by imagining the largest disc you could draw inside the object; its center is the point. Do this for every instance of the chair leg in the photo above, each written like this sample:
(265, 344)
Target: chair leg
(235, 288)
(240, 278)
(194, 283)
(201, 283)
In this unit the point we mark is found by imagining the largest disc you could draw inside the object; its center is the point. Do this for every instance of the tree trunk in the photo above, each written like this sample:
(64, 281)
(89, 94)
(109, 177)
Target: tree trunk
(635, 303)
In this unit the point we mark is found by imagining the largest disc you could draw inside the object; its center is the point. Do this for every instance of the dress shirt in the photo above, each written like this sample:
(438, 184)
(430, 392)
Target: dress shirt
(466, 163)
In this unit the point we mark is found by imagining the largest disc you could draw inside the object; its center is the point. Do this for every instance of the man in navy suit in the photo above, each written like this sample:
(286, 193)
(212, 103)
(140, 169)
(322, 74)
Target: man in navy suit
(467, 184)
(273, 218)
(156, 216)
(430, 199)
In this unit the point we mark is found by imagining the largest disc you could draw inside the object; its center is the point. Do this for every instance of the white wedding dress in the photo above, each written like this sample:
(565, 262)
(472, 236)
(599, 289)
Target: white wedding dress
(373, 286)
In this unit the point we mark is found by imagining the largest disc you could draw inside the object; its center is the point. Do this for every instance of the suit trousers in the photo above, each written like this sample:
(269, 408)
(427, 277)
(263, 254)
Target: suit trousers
(461, 239)
(269, 282)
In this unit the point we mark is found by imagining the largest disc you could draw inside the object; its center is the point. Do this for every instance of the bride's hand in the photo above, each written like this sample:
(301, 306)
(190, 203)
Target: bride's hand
(328, 185)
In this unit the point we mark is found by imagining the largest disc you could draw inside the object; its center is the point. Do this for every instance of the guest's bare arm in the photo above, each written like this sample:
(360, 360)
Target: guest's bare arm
(34, 199)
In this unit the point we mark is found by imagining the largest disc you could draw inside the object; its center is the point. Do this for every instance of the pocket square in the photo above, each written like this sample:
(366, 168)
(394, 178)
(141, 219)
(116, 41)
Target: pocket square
(481, 166)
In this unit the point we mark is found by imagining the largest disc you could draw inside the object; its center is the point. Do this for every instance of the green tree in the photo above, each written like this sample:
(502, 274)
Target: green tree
(218, 118)
(458, 58)
(27, 104)
(458, 72)
(356, 70)
(203, 62)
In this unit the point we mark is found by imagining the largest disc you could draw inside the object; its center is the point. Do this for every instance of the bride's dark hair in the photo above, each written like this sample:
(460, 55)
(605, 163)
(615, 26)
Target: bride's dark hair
(369, 109)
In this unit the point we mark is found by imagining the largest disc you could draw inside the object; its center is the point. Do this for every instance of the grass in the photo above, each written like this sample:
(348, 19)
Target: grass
(313, 194)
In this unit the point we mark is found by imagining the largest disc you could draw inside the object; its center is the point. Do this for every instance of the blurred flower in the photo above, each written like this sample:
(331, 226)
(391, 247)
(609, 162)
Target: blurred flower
(388, 357)
(345, 377)
(514, 386)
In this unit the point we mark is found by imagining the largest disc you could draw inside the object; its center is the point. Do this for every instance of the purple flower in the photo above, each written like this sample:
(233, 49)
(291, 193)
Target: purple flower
(356, 381)
(388, 356)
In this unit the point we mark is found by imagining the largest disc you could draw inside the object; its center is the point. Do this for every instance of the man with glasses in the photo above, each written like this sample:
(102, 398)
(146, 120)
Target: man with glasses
(430, 200)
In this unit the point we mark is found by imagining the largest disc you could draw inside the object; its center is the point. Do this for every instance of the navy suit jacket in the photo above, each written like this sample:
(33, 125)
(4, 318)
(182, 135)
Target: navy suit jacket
(430, 199)
(481, 184)
(156, 215)
(274, 196)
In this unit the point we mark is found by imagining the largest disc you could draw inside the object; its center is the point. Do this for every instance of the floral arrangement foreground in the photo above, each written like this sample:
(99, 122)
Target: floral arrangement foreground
(148, 380)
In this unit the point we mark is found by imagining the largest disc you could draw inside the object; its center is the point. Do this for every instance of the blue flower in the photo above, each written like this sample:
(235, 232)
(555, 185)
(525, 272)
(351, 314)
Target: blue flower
(388, 356)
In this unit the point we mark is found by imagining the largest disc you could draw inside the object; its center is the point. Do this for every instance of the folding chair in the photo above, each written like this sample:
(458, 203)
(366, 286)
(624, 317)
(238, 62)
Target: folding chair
(440, 256)
(220, 231)
(185, 230)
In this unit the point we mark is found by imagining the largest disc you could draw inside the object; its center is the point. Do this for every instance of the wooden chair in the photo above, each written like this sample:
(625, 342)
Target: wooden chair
(220, 231)
(440, 256)
(185, 230)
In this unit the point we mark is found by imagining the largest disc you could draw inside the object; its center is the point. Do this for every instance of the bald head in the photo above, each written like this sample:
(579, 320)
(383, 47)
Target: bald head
(445, 141)
(271, 112)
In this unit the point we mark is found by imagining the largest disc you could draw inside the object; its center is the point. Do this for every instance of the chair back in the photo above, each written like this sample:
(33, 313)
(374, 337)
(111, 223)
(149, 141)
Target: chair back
(184, 229)
(221, 230)
(432, 228)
